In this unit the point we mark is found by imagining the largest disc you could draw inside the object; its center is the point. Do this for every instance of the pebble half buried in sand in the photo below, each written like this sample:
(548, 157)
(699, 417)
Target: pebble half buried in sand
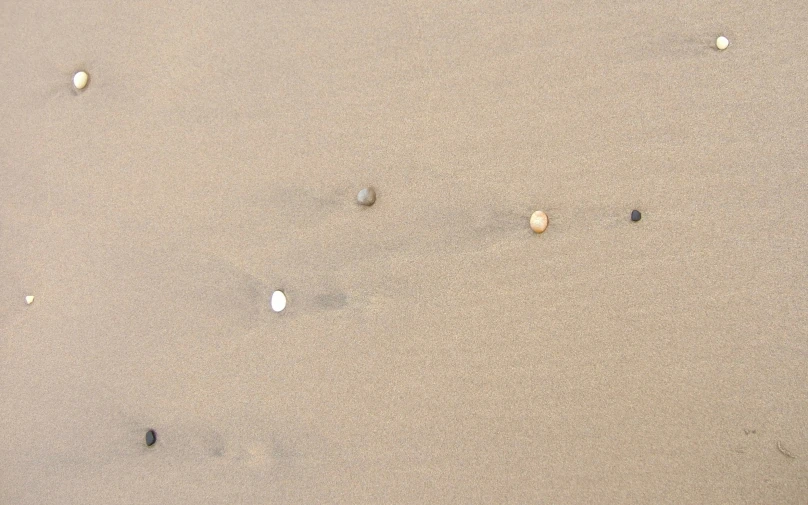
(539, 221)
(80, 79)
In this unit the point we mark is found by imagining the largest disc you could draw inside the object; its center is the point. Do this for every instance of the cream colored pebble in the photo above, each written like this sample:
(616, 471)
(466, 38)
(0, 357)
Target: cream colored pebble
(539, 221)
(29, 299)
(80, 79)
(721, 43)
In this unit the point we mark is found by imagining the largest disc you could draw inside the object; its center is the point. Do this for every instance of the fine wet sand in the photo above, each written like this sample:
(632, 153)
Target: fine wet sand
(434, 349)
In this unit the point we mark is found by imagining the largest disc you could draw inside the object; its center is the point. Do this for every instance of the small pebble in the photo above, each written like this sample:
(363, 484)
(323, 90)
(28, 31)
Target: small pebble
(721, 43)
(80, 79)
(151, 438)
(278, 301)
(636, 215)
(29, 299)
(539, 221)
(366, 197)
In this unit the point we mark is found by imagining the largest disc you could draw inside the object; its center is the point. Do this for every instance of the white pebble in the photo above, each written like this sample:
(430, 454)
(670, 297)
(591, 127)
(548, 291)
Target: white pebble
(539, 221)
(722, 43)
(80, 79)
(278, 301)
(29, 299)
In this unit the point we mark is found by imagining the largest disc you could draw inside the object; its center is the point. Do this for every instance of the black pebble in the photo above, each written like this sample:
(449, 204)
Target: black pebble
(636, 215)
(151, 438)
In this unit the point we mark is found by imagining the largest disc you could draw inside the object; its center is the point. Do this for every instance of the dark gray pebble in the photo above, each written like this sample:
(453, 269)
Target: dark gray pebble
(151, 438)
(636, 215)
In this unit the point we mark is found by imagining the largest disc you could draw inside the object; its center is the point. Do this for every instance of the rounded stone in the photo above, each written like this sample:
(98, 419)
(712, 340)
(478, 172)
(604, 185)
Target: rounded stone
(278, 301)
(539, 221)
(636, 215)
(366, 197)
(151, 438)
(80, 79)
(721, 43)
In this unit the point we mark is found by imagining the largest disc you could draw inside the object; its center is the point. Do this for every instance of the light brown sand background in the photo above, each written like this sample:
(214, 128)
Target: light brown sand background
(434, 349)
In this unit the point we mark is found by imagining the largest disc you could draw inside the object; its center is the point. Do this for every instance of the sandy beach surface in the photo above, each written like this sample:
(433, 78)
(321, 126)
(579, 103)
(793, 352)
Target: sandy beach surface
(433, 349)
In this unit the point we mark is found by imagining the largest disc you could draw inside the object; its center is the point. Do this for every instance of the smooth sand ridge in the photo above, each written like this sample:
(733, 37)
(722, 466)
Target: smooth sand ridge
(432, 348)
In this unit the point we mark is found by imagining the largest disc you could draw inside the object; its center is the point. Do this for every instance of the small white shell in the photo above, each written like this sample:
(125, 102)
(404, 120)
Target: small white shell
(278, 301)
(721, 43)
(539, 221)
(29, 299)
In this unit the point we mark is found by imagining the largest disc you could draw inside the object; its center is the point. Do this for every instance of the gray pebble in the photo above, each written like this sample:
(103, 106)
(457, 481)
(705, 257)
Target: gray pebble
(366, 197)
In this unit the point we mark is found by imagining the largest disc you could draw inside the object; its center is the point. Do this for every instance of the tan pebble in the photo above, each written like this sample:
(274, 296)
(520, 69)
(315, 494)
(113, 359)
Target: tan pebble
(80, 79)
(539, 221)
(29, 299)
